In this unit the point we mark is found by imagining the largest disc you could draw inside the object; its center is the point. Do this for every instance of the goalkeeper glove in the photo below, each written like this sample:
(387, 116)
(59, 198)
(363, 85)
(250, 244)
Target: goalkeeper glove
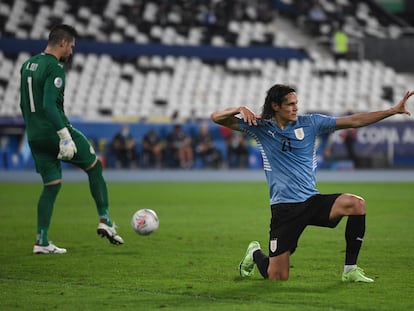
(67, 147)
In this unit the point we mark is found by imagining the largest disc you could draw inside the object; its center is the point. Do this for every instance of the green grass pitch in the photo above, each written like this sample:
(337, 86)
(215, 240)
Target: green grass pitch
(191, 262)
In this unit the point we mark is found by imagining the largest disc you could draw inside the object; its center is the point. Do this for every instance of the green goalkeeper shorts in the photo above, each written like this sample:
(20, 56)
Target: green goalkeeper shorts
(45, 153)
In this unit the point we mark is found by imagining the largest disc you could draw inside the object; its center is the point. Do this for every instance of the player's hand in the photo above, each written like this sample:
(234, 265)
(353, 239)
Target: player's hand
(249, 116)
(400, 107)
(67, 147)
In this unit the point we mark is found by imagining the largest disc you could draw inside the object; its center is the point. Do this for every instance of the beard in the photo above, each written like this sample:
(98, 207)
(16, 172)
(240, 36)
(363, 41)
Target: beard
(67, 61)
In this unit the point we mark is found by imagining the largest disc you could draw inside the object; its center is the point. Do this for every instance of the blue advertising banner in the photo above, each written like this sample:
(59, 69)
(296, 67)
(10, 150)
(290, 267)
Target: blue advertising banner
(385, 144)
(391, 141)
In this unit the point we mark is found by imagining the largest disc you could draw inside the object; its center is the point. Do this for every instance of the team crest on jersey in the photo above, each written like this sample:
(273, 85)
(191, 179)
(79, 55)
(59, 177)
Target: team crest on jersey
(273, 245)
(299, 133)
(58, 82)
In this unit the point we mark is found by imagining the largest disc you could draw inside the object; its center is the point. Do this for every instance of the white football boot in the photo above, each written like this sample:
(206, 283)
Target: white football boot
(50, 249)
(110, 233)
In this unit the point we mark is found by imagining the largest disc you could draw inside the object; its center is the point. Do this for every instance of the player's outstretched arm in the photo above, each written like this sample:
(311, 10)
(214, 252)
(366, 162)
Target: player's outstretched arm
(364, 119)
(226, 117)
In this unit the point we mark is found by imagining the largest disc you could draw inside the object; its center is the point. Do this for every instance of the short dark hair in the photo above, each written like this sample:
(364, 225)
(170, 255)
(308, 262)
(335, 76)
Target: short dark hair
(276, 94)
(61, 31)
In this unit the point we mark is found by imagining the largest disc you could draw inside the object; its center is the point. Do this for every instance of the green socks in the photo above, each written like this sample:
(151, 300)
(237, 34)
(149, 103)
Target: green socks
(44, 212)
(97, 186)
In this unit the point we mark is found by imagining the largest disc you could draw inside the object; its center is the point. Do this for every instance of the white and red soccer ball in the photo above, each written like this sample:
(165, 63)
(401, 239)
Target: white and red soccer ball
(145, 221)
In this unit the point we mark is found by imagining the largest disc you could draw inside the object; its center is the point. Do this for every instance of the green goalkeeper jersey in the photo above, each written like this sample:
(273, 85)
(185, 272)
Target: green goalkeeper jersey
(42, 87)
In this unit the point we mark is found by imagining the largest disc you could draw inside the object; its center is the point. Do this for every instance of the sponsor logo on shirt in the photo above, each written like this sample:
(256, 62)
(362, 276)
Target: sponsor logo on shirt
(271, 133)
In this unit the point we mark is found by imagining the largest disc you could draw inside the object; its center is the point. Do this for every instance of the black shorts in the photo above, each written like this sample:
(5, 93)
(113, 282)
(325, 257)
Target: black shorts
(290, 219)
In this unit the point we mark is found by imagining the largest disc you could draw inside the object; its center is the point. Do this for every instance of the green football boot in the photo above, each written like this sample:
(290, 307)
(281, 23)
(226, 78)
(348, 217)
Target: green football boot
(356, 275)
(247, 264)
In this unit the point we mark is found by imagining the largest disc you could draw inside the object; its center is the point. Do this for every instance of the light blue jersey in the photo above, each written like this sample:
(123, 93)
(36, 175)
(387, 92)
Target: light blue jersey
(289, 155)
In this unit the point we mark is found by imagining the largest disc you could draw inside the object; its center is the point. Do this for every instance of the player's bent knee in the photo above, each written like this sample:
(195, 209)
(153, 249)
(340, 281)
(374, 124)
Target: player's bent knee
(279, 267)
(359, 205)
(352, 204)
(278, 276)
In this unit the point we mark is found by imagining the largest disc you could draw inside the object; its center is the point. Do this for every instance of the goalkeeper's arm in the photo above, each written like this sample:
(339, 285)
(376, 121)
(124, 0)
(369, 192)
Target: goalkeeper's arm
(67, 147)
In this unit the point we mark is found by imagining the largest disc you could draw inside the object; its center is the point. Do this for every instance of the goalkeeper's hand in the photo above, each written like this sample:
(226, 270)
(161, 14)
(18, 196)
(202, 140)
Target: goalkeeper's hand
(67, 147)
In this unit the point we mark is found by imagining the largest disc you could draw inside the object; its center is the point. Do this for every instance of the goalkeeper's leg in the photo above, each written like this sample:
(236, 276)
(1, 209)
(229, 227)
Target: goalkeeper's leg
(44, 212)
(86, 159)
(97, 186)
(99, 192)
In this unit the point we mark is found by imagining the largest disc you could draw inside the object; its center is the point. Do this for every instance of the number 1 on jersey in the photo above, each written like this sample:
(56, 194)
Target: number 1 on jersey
(29, 84)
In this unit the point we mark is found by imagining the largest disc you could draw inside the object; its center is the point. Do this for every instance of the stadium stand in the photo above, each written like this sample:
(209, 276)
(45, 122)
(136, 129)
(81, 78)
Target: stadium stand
(100, 86)
(139, 85)
(168, 22)
(358, 18)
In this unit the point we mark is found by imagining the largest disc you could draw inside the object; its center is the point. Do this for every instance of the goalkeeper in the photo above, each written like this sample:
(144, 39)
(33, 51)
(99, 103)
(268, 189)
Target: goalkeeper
(52, 138)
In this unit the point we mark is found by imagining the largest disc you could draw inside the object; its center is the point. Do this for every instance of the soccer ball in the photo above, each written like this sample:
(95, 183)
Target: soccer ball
(145, 221)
